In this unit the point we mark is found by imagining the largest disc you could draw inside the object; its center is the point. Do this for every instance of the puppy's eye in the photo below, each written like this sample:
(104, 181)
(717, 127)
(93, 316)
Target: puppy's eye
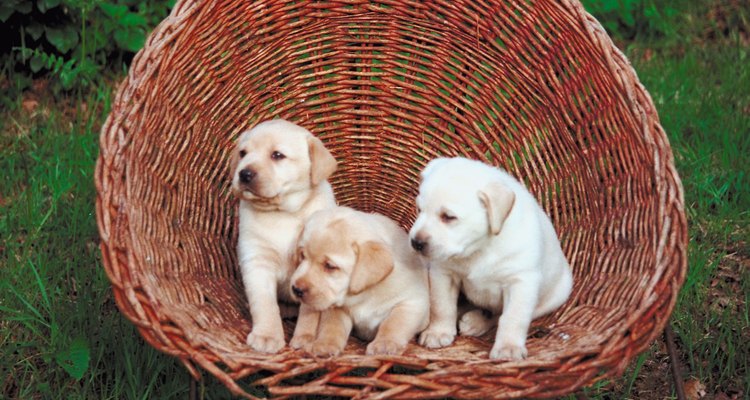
(330, 267)
(277, 156)
(447, 218)
(301, 255)
(243, 153)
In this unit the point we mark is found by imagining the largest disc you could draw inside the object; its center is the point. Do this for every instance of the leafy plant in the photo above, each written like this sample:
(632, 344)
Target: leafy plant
(627, 19)
(75, 359)
(73, 40)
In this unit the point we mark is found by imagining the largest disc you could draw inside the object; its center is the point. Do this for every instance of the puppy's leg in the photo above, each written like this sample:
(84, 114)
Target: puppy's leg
(333, 331)
(519, 301)
(402, 323)
(267, 334)
(443, 310)
(553, 299)
(475, 323)
(307, 327)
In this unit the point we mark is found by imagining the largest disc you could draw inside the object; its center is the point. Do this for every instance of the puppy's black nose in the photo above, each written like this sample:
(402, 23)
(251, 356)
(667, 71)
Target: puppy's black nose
(298, 292)
(247, 175)
(418, 245)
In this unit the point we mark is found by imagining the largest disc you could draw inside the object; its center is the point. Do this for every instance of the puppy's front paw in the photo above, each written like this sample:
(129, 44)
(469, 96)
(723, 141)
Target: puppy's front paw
(265, 343)
(301, 342)
(508, 352)
(384, 346)
(323, 348)
(474, 323)
(434, 338)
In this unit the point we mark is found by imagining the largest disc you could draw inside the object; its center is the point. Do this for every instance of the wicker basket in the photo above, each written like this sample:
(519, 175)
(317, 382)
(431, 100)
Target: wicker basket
(536, 87)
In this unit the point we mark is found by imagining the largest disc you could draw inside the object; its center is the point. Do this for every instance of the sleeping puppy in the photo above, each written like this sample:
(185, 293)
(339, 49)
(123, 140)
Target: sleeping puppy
(279, 174)
(358, 270)
(486, 235)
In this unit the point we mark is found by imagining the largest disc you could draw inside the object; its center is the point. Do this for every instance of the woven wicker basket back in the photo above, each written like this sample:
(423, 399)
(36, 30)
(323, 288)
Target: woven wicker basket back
(535, 87)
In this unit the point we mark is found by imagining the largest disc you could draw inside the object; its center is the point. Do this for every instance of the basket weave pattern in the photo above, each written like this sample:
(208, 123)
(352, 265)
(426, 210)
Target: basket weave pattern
(534, 87)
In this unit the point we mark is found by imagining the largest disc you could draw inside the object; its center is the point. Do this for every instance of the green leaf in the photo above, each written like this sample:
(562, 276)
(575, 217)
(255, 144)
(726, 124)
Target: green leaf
(115, 11)
(35, 30)
(63, 39)
(6, 10)
(132, 19)
(69, 74)
(75, 359)
(44, 5)
(24, 7)
(36, 63)
(130, 39)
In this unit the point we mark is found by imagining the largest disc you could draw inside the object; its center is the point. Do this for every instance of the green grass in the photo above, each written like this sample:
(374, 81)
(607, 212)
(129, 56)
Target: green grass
(58, 320)
(57, 311)
(707, 118)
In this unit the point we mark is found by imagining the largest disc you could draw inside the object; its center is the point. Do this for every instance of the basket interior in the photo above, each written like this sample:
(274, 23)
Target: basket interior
(387, 92)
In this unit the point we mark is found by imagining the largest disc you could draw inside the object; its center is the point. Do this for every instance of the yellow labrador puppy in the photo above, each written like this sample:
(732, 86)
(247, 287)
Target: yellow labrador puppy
(485, 234)
(280, 173)
(357, 268)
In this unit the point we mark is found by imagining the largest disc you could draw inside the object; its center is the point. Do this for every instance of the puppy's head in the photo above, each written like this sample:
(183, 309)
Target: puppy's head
(336, 259)
(460, 207)
(277, 158)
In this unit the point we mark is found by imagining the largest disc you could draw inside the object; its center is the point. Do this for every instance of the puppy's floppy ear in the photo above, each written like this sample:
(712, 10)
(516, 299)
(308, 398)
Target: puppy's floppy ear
(322, 163)
(374, 263)
(498, 200)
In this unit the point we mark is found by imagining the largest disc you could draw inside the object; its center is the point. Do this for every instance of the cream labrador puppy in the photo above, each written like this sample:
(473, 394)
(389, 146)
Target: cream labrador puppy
(358, 270)
(280, 173)
(486, 235)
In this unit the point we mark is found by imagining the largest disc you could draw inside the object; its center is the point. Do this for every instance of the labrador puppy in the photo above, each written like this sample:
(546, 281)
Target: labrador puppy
(485, 234)
(357, 269)
(279, 173)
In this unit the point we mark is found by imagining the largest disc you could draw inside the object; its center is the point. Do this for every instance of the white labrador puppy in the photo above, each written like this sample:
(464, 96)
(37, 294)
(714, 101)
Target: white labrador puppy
(486, 235)
(280, 173)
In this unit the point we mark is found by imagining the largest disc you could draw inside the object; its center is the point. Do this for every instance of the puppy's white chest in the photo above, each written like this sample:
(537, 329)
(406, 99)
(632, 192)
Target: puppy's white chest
(268, 240)
(276, 229)
(280, 229)
(484, 293)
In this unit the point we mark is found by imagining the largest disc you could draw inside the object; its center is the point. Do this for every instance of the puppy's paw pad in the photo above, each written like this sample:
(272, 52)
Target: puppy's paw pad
(387, 347)
(434, 338)
(324, 349)
(301, 342)
(508, 352)
(474, 323)
(265, 343)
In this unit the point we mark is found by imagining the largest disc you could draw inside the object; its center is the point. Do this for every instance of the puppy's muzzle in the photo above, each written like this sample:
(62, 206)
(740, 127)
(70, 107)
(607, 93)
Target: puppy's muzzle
(299, 291)
(419, 244)
(247, 175)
